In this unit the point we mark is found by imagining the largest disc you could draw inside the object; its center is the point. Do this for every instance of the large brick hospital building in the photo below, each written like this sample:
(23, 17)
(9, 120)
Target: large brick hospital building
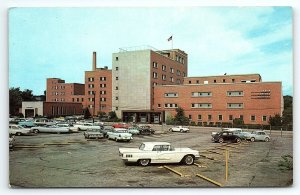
(147, 85)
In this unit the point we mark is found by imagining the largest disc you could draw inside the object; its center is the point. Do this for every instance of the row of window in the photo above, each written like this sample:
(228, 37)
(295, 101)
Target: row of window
(206, 94)
(102, 99)
(91, 79)
(224, 81)
(58, 87)
(204, 105)
(77, 99)
(103, 85)
(164, 68)
(180, 59)
(230, 117)
(58, 100)
(92, 92)
(102, 106)
(58, 93)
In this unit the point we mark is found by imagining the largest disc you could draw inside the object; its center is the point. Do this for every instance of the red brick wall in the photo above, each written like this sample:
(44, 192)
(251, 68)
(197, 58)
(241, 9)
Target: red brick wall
(219, 100)
(169, 63)
(62, 109)
(59, 91)
(108, 89)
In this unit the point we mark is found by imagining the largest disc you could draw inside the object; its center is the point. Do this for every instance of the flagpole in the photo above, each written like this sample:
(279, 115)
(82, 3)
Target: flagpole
(172, 42)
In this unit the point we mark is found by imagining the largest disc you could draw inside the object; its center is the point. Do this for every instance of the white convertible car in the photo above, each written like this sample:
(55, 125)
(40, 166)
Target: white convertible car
(158, 152)
(179, 129)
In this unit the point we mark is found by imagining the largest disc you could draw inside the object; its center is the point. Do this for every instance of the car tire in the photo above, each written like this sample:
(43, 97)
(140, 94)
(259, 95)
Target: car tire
(144, 162)
(252, 139)
(238, 140)
(267, 139)
(181, 130)
(18, 133)
(116, 139)
(221, 140)
(36, 131)
(188, 159)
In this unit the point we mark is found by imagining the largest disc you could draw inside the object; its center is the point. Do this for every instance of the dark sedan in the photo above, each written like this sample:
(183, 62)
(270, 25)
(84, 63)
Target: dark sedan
(226, 137)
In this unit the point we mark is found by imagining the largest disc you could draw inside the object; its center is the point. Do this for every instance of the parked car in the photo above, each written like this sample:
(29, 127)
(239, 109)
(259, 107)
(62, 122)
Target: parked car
(92, 133)
(85, 126)
(19, 130)
(43, 122)
(234, 130)
(106, 129)
(145, 129)
(158, 152)
(134, 130)
(225, 136)
(121, 125)
(27, 123)
(180, 129)
(119, 134)
(258, 136)
(50, 129)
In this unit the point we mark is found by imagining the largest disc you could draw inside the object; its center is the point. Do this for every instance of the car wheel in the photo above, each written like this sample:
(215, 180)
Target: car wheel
(18, 133)
(188, 160)
(267, 139)
(36, 131)
(252, 139)
(181, 130)
(116, 139)
(238, 140)
(144, 162)
(221, 140)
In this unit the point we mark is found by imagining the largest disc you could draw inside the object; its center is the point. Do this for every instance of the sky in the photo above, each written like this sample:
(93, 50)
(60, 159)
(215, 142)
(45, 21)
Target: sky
(58, 42)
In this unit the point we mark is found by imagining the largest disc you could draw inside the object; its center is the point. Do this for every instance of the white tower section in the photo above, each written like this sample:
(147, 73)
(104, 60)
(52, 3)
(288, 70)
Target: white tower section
(131, 81)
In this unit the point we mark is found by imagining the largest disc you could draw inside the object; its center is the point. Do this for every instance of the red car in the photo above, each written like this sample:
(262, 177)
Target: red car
(121, 125)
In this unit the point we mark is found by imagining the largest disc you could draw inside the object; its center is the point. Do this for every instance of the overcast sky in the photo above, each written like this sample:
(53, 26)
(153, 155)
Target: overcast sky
(58, 42)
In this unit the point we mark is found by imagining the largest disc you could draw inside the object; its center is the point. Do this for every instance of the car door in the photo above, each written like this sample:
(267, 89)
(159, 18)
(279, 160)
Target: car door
(168, 155)
(260, 136)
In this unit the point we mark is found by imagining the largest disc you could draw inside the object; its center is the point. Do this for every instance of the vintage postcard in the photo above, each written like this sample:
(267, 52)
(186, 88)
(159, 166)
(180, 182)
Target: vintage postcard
(144, 97)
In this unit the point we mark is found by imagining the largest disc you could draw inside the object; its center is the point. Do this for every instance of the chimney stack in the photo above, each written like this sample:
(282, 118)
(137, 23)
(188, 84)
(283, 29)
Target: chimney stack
(94, 61)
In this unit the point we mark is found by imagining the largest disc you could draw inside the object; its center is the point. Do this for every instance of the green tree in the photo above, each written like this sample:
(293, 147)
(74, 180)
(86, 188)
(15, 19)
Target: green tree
(113, 116)
(287, 115)
(238, 121)
(180, 118)
(170, 120)
(15, 100)
(275, 120)
(16, 96)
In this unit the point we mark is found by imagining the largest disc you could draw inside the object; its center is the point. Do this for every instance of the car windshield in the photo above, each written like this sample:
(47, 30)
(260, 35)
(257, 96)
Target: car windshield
(121, 131)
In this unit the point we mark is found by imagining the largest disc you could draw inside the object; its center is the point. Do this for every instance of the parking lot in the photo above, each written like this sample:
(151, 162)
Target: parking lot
(69, 160)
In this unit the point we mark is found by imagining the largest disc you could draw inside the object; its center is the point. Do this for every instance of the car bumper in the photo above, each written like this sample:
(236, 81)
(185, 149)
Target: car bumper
(124, 138)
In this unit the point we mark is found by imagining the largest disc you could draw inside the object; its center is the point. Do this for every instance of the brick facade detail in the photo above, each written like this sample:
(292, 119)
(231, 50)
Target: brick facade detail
(255, 102)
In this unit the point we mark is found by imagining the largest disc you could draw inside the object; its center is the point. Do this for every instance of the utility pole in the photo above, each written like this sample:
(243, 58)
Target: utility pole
(94, 105)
